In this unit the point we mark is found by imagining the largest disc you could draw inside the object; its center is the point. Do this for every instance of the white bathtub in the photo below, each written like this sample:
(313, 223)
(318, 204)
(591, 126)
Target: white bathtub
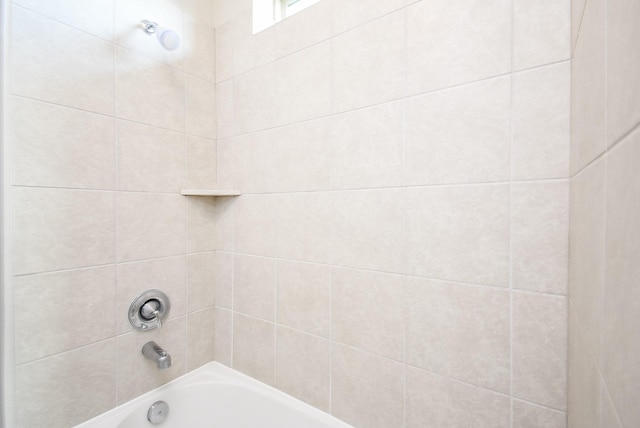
(215, 396)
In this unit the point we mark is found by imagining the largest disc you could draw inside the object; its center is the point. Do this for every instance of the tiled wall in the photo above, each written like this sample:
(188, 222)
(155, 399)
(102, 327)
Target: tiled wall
(604, 310)
(106, 127)
(399, 256)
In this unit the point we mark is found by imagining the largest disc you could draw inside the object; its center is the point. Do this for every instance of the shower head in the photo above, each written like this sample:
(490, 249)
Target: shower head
(169, 39)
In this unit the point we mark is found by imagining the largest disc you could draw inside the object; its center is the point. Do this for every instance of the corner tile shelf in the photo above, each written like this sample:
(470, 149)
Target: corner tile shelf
(210, 192)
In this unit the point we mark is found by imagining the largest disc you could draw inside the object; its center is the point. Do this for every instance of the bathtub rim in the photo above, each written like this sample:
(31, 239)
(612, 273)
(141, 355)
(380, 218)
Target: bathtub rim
(211, 372)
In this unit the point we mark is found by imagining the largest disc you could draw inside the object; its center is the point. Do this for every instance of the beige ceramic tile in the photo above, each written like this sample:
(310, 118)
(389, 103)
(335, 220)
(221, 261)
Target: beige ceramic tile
(150, 159)
(251, 50)
(587, 250)
(44, 398)
(129, 32)
(223, 337)
(540, 349)
(540, 236)
(199, 48)
(304, 227)
(541, 32)
(446, 47)
(255, 100)
(306, 28)
(347, 15)
(541, 123)
(302, 156)
(368, 231)
(70, 65)
(225, 222)
(461, 135)
(254, 348)
(304, 297)
(168, 275)
(224, 51)
(368, 147)
(528, 415)
(62, 229)
(254, 286)
(202, 271)
(256, 234)
(588, 88)
(368, 311)
(202, 163)
(621, 342)
(224, 109)
(95, 17)
(623, 63)
(48, 307)
(200, 107)
(357, 395)
(368, 63)
(200, 338)
(303, 367)
(150, 225)
(149, 92)
(135, 373)
(254, 162)
(467, 229)
(303, 84)
(222, 278)
(459, 331)
(584, 380)
(436, 401)
(201, 226)
(55, 146)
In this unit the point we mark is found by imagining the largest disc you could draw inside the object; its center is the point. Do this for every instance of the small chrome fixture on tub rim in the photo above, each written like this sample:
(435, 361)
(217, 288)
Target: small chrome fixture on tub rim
(158, 412)
(148, 310)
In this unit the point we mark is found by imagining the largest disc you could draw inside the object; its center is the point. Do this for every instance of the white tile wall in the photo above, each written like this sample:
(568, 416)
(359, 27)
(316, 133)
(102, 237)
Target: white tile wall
(90, 369)
(453, 42)
(302, 356)
(454, 404)
(459, 135)
(71, 68)
(97, 121)
(404, 167)
(62, 147)
(150, 159)
(58, 229)
(345, 128)
(459, 233)
(604, 299)
(368, 63)
(467, 325)
(540, 32)
(541, 123)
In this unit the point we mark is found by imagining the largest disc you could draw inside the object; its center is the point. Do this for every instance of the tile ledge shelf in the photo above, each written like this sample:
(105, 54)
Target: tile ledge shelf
(210, 192)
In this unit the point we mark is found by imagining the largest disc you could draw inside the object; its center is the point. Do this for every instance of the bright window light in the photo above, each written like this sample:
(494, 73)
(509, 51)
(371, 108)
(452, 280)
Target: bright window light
(268, 12)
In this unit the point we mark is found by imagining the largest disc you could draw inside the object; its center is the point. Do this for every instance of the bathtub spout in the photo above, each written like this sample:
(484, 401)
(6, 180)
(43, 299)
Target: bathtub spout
(155, 353)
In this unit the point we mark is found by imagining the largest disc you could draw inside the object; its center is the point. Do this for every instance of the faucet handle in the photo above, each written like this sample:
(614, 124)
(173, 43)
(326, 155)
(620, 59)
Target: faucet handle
(156, 314)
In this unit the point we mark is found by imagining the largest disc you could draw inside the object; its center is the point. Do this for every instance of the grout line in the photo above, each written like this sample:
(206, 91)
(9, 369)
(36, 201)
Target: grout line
(116, 143)
(510, 207)
(396, 99)
(584, 10)
(409, 187)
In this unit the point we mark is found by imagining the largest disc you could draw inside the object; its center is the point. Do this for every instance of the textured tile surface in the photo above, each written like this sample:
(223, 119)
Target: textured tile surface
(459, 331)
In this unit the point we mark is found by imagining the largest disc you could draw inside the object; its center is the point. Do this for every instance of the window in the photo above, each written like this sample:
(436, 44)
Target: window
(268, 12)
